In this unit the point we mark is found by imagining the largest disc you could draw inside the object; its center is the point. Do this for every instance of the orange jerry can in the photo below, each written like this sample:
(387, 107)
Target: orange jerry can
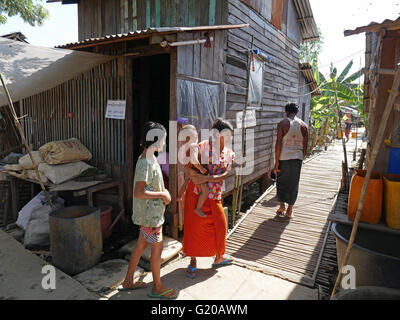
(372, 211)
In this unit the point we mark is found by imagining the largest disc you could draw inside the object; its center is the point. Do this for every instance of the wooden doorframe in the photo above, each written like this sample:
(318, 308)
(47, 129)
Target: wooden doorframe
(129, 123)
(173, 188)
(173, 171)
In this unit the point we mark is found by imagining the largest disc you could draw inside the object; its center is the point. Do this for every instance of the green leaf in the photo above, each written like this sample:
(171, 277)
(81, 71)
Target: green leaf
(345, 72)
(354, 76)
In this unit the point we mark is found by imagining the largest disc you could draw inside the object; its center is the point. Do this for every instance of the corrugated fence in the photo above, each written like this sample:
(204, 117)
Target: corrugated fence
(77, 109)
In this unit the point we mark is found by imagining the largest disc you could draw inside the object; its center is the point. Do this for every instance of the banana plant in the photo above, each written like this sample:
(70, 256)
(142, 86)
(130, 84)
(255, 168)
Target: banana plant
(336, 91)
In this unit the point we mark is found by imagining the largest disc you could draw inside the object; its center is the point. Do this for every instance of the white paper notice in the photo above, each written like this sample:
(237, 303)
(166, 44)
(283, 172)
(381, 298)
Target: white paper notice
(250, 119)
(116, 109)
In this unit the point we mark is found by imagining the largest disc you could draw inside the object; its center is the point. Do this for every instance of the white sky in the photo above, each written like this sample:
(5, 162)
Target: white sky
(60, 28)
(332, 16)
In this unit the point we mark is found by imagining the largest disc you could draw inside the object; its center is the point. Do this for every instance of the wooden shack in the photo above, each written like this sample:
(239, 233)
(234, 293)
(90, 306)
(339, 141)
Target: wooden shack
(382, 56)
(152, 79)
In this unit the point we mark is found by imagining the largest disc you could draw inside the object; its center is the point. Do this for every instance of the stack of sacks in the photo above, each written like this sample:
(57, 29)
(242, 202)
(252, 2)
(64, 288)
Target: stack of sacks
(57, 161)
(63, 160)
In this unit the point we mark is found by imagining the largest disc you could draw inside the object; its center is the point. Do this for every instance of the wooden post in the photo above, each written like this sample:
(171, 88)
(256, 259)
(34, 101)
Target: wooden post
(21, 132)
(377, 145)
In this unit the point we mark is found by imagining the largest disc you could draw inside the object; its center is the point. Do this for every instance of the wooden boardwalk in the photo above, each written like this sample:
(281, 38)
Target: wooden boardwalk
(292, 250)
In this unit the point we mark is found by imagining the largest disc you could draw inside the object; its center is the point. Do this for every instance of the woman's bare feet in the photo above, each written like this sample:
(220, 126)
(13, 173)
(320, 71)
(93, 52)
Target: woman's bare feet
(289, 212)
(164, 291)
(191, 269)
(226, 260)
(281, 209)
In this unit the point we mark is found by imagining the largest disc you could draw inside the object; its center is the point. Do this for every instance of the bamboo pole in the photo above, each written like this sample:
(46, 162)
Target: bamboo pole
(346, 165)
(21, 133)
(377, 145)
(244, 130)
(238, 177)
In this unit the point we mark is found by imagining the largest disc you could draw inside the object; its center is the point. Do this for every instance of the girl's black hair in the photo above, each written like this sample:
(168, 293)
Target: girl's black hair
(144, 144)
(221, 124)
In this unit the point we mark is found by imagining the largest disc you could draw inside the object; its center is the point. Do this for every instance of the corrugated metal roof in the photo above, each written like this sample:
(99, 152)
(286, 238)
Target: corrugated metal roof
(375, 27)
(308, 74)
(146, 33)
(308, 27)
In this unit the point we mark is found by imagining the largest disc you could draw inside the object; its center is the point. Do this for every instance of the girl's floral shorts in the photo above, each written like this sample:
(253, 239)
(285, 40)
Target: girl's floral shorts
(152, 235)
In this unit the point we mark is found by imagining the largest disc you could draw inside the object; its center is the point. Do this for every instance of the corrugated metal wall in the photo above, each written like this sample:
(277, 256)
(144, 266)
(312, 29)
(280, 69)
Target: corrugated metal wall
(77, 109)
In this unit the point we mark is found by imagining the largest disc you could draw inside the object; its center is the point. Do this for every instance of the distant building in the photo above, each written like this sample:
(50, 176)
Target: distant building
(17, 36)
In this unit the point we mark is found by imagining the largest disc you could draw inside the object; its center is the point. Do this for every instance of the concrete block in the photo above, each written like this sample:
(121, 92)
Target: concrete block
(106, 275)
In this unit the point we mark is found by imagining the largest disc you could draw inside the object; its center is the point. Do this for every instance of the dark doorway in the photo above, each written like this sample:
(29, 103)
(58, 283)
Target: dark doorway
(151, 94)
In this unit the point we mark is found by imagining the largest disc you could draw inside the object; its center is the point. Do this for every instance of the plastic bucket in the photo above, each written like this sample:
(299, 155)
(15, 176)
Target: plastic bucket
(368, 293)
(76, 241)
(106, 219)
(391, 195)
(372, 211)
(375, 255)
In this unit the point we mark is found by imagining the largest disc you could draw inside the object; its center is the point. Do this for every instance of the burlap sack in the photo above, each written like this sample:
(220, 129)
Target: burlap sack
(26, 163)
(66, 151)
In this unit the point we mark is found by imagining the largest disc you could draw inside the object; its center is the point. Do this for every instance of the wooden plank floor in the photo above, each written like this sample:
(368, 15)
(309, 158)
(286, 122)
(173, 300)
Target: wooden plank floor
(291, 250)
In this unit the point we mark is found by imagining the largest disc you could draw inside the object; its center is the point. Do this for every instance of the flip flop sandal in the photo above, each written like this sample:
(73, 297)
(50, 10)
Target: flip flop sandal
(226, 262)
(163, 295)
(138, 285)
(192, 270)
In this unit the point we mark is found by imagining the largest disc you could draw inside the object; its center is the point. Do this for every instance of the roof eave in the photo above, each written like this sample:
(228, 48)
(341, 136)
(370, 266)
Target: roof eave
(140, 34)
(305, 17)
(375, 27)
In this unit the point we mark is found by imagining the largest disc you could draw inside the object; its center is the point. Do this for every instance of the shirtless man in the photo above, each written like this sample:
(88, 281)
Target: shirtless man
(290, 151)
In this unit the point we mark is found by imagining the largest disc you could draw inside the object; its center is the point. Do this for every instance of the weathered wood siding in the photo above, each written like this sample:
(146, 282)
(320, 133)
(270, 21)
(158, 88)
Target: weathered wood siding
(98, 18)
(200, 62)
(77, 109)
(227, 62)
(281, 78)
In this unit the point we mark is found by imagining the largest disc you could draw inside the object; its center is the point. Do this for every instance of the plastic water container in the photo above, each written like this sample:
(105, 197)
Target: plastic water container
(391, 183)
(76, 241)
(372, 210)
(394, 161)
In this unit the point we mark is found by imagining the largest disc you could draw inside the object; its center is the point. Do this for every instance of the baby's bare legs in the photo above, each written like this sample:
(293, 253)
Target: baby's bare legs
(202, 198)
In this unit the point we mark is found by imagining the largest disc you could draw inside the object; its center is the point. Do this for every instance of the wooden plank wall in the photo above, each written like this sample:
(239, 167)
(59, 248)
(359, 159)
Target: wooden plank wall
(98, 18)
(77, 109)
(197, 61)
(281, 79)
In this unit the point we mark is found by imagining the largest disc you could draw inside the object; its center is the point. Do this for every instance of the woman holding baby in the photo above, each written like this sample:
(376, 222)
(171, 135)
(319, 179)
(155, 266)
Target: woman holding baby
(205, 230)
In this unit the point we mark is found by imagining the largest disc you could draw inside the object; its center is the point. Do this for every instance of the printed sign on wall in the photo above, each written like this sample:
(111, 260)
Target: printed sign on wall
(116, 109)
